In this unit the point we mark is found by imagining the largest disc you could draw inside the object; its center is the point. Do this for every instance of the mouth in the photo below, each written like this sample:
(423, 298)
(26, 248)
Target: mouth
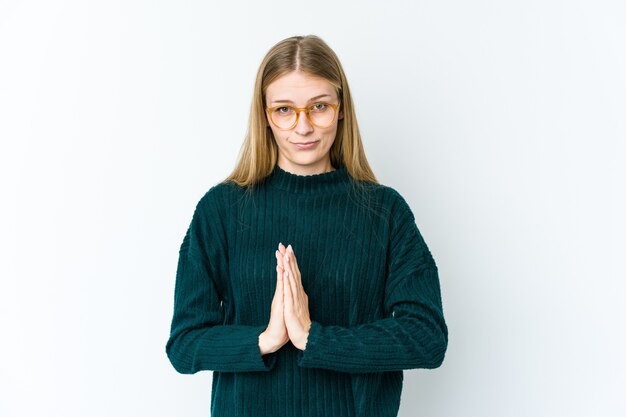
(305, 145)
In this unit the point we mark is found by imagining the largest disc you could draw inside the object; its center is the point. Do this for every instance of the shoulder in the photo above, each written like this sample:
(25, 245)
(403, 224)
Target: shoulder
(211, 206)
(220, 196)
(389, 199)
(395, 198)
(404, 229)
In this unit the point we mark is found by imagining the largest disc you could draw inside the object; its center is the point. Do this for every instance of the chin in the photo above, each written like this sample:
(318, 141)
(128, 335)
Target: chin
(306, 160)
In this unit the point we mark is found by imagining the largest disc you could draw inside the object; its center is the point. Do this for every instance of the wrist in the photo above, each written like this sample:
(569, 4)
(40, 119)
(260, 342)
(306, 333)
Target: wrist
(267, 344)
(305, 338)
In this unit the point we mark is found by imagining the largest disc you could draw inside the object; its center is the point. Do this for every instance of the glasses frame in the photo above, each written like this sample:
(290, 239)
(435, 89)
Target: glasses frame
(270, 110)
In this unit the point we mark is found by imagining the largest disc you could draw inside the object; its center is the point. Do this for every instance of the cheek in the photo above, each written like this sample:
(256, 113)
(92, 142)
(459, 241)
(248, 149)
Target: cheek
(330, 134)
(278, 135)
(281, 139)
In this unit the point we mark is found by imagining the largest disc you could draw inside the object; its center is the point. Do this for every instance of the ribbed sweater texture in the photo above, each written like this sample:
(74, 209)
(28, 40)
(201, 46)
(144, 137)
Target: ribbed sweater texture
(372, 283)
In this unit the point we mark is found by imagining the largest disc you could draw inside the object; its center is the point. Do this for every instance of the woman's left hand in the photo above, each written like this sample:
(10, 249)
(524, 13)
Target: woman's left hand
(296, 307)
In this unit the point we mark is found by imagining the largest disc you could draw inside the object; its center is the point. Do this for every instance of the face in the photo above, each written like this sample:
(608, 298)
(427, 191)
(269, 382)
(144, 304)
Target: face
(299, 89)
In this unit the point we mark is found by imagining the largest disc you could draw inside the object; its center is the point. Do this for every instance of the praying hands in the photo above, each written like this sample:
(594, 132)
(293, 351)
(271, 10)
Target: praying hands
(289, 317)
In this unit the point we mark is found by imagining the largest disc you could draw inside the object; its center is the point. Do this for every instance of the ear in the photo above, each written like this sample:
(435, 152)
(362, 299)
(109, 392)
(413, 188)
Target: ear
(340, 115)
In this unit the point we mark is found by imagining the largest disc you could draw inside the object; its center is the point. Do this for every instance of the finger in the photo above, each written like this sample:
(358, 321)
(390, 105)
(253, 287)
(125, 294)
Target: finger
(293, 286)
(279, 273)
(279, 265)
(279, 259)
(296, 282)
(280, 288)
(297, 289)
(287, 291)
(288, 265)
(292, 257)
(278, 294)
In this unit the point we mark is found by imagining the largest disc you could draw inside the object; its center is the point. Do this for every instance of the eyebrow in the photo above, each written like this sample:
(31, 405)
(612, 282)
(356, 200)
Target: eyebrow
(311, 99)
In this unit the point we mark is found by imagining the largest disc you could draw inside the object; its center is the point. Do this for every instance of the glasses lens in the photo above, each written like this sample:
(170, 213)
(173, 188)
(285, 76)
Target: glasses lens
(322, 114)
(284, 117)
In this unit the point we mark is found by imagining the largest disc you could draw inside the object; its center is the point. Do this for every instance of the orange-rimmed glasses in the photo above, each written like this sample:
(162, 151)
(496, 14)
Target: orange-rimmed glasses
(320, 115)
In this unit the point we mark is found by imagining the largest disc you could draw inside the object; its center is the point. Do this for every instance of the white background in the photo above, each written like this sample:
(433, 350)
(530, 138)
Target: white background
(502, 124)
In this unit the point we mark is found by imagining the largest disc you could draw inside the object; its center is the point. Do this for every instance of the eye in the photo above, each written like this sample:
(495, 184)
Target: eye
(319, 107)
(283, 110)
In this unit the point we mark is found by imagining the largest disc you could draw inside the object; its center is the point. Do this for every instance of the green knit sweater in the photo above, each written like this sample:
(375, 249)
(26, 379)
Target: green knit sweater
(372, 284)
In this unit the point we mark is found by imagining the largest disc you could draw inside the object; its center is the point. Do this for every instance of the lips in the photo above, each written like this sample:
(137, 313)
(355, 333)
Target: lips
(303, 146)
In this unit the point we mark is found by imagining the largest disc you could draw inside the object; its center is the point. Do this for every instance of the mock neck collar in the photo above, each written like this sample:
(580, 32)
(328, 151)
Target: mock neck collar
(327, 182)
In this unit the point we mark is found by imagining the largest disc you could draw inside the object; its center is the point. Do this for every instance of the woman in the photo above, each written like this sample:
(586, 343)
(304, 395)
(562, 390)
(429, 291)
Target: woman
(326, 325)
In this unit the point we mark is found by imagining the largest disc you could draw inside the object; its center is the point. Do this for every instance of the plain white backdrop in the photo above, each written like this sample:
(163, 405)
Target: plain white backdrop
(502, 124)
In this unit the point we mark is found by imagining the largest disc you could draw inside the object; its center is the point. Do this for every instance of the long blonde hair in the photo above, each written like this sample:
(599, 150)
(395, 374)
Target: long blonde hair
(259, 152)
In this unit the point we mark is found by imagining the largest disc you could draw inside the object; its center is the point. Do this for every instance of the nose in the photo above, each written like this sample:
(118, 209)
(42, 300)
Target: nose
(303, 126)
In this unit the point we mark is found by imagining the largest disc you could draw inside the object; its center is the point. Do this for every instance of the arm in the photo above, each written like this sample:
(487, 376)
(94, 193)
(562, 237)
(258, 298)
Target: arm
(198, 338)
(412, 335)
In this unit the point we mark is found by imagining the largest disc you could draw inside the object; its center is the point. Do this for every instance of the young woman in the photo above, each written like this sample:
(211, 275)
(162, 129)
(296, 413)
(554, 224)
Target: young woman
(303, 283)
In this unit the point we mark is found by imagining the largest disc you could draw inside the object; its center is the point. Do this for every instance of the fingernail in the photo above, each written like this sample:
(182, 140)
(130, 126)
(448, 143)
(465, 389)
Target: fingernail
(290, 248)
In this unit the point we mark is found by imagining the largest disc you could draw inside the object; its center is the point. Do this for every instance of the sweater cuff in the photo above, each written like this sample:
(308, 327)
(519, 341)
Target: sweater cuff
(311, 354)
(263, 362)
(248, 357)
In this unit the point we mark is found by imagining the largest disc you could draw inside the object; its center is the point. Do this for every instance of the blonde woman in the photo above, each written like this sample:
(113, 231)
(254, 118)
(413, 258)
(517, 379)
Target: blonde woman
(303, 283)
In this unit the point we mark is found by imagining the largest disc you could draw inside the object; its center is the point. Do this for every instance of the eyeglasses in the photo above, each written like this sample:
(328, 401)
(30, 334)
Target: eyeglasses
(319, 115)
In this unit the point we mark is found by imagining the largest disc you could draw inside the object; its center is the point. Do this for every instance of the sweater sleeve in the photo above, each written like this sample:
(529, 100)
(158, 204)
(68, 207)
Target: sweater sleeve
(413, 332)
(199, 339)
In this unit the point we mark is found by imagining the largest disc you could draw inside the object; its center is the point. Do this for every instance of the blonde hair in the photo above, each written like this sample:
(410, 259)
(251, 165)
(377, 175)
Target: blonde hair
(259, 152)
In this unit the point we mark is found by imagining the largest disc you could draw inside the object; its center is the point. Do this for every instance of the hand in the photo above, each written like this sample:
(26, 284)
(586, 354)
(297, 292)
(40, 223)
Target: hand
(275, 335)
(296, 301)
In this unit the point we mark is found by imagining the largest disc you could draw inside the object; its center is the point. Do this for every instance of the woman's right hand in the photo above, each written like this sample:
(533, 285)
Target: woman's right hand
(275, 335)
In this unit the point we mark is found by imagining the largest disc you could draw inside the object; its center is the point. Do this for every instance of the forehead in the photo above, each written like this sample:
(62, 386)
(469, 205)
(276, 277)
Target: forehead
(299, 87)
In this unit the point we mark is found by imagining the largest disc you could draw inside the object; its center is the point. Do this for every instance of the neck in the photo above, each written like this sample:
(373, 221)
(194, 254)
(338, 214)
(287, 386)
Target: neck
(329, 182)
(321, 167)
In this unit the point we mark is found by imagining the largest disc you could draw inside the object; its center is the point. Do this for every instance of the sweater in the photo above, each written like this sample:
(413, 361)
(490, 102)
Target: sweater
(372, 285)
